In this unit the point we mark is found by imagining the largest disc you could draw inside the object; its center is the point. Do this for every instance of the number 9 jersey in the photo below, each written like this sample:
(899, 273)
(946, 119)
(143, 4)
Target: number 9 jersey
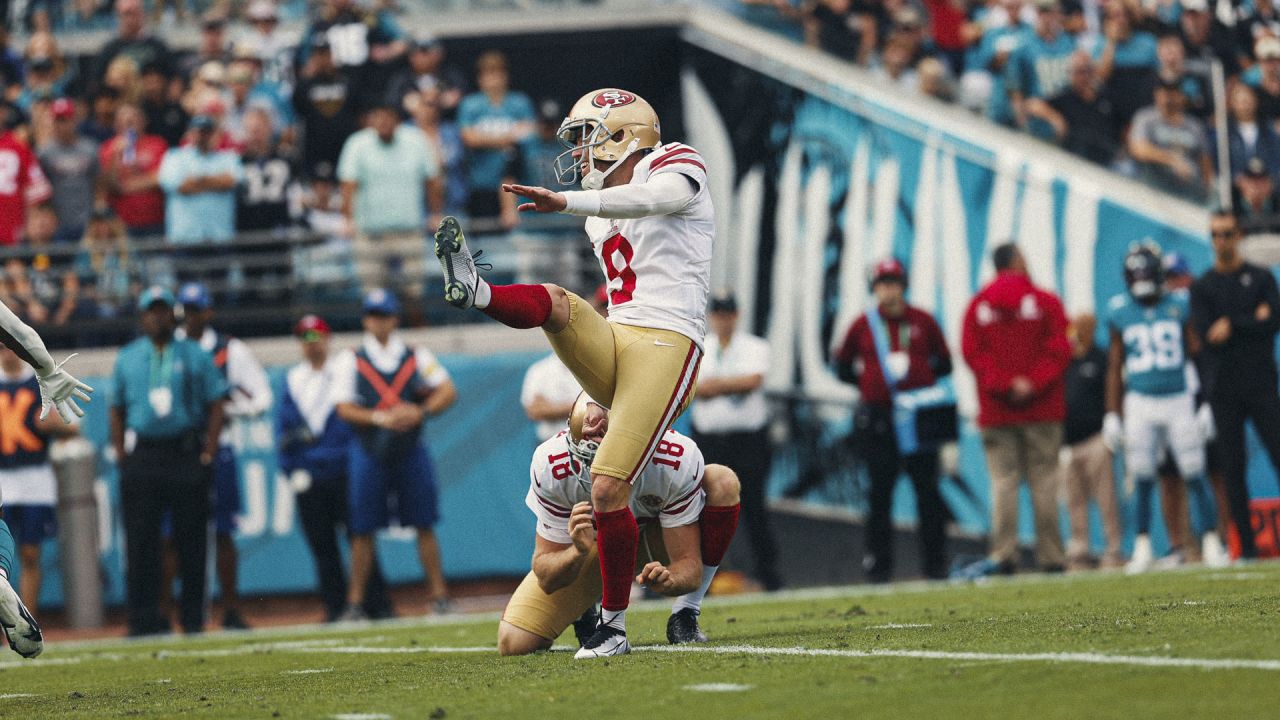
(668, 490)
(1154, 345)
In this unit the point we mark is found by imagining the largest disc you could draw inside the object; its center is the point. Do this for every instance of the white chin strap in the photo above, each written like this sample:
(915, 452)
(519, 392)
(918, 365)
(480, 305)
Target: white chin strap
(594, 180)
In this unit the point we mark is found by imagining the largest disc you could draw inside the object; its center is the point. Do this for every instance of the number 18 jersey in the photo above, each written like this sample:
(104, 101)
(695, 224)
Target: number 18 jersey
(1154, 346)
(658, 268)
(668, 490)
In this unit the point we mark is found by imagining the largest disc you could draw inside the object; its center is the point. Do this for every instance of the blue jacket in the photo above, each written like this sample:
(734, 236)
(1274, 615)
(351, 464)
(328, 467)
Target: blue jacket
(325, 457)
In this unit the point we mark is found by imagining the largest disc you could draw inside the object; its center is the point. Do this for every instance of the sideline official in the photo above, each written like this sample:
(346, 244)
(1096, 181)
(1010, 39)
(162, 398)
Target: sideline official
(894, 348)
(166, 415)
(731, 423)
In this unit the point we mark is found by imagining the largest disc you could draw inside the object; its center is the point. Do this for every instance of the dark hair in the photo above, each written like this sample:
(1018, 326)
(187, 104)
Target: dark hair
(1225, 213)
(1003, 256)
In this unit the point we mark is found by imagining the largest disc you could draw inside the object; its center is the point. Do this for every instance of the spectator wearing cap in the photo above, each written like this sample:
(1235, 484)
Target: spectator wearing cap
(1170, 147)
(199, 183)
(386, 390)
(165, 118)
(166, 416)
(249, 396)
(1038, 69)
(1127, 62)
(549, 389)
(731, 422)
(27, 186)
(132, 41)
(129, 164)
(1015, 342)
(427, 73)
(1086, 463)
(312, 444)
(273, 49)
(389, 175)
(1255, 199)
(1264, 78)
(327, 103)
(495, 121)
(1081, 117)
(248, 91)
(1205, 41)
(212, 47)
(1255, 20)
(70, 162)
(842, 28)
(890, 349)
(367, 42)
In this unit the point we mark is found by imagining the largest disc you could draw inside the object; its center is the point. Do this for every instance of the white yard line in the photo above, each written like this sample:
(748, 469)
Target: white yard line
(718, 687)
(899, 626)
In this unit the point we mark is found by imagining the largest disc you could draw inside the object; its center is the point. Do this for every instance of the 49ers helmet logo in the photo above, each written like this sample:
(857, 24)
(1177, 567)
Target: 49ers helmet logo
(613, 98)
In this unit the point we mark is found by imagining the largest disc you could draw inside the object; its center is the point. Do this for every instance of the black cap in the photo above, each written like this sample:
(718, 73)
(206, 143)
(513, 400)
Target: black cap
(213, 21)
(1170, 82)
(1256, 168)
(724, 301)
(40, 63)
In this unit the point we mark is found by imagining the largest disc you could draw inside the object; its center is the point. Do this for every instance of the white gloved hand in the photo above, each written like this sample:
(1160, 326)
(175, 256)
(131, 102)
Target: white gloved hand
(949, 459)
(59, 390)
(300, 481)
(1204, 418)
(1113, 432)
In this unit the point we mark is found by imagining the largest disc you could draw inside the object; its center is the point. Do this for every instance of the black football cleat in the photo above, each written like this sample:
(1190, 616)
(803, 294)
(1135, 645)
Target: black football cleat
(682, 627)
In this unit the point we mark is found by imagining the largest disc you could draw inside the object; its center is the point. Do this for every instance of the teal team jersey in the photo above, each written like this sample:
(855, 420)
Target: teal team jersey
(1154, 347)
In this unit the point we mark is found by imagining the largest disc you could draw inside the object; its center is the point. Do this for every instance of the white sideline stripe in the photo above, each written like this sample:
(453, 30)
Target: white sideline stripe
(15, 696)
(899, 626)
(718, 687)
(307, 671)
(397, 650)
(360, 716)
(7, 664)
(1085, 658)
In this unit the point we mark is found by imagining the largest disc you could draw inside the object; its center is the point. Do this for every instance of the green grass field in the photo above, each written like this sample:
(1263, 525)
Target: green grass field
(1180, 645)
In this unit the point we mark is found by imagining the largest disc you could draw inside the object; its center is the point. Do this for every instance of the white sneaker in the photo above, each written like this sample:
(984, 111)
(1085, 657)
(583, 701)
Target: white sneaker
(1213, 552)
(1142, 558)
(606, 641)
(21, 629)
(461, 278)
(1171, 561)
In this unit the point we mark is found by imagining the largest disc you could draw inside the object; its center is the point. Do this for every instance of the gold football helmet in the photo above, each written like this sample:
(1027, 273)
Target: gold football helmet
(582, 449)
(609, 124)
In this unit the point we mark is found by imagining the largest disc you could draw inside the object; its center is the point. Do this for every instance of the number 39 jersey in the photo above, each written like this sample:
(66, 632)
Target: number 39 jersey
(669, 490)
(658, 268)
(1154, 356)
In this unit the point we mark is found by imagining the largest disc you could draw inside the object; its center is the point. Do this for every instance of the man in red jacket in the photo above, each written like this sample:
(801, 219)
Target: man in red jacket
(1015, 341)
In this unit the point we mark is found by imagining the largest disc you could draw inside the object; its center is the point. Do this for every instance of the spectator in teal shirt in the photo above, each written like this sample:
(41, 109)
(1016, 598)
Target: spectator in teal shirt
(386, 170)
(494, 123)
(199, 182)
(1038, 68)
(166, 415)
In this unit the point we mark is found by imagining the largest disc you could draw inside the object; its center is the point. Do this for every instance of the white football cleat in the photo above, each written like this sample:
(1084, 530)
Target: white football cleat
(461, 277)
(19, 627)
(1142, 558)
(606, 641)
(1213, 552)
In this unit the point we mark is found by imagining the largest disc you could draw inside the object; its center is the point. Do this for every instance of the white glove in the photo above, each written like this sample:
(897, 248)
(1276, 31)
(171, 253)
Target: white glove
(1204, 418)
(58, 389)
(300, 481)
(949, 459)
(1113, 432)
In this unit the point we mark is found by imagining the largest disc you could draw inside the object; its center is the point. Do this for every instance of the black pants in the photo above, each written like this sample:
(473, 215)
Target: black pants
(873, 431)
(748, 454)
(162, 476)
(323, 512)
(1231, 407)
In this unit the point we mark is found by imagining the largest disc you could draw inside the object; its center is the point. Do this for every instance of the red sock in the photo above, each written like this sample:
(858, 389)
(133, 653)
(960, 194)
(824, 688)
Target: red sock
(519, 306)
(718, 526)
(617, 537)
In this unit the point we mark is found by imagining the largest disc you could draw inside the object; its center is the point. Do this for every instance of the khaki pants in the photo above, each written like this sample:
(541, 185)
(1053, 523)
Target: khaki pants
(1026, 451)
(1089, 474)
(392, 260)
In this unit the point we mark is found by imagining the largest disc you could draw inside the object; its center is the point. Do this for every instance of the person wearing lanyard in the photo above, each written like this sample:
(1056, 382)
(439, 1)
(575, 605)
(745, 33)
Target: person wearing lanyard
(916, 357)
(731, 422)
(312, 444)
(166, 416)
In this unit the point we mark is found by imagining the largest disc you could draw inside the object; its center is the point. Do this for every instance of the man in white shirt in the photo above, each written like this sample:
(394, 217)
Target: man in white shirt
(250, 397)
(731, 422)
(386, 390)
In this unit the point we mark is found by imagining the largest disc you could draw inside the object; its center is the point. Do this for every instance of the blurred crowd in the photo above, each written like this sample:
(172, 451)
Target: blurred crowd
(1124, 83)
(255, 136)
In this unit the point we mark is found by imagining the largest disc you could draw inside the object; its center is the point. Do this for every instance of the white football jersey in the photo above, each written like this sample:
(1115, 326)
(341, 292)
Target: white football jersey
(669, 490)
(658, 268)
